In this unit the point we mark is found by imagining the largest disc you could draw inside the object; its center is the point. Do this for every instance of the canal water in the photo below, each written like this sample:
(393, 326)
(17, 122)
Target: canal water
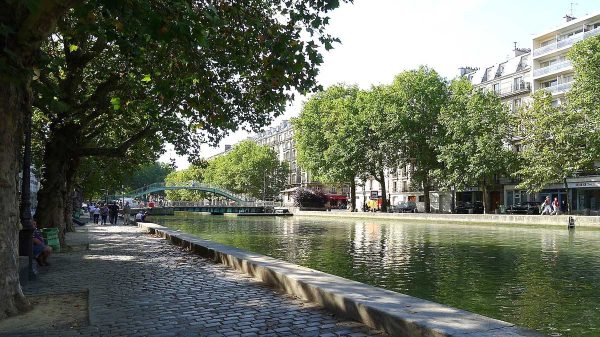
(547, 279)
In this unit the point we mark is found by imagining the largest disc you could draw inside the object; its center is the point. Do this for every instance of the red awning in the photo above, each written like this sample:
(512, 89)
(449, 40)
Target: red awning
(336, 197)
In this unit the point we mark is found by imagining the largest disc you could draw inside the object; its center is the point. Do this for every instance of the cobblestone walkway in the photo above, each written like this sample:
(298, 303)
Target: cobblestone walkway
(140, 285)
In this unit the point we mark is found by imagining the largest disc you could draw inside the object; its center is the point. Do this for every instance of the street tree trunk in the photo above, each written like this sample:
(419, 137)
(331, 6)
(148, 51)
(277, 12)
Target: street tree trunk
(54, 193)
(426, 197)
(14, 99)
(486, 198)
(381, 180)
(25, 26)
(352, 195)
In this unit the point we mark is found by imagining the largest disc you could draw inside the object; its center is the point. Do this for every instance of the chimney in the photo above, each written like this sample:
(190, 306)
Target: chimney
(465, 70)
(227, 147)
(520, 51)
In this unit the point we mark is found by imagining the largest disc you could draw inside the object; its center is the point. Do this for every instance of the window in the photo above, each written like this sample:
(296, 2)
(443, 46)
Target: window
(497, 88)
(421, 198)
(549, 84)
(404, 186)
(518, 83)
(547, 42)
(516, 104)
(395, 186)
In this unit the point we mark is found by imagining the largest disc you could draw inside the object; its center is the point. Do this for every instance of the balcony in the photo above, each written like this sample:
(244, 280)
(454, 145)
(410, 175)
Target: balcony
(556, 67)
(565, 42)
(559, 88)
(521, 88)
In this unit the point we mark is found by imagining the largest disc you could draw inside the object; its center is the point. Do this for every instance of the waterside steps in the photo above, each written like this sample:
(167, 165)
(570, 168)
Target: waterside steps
(395, 313)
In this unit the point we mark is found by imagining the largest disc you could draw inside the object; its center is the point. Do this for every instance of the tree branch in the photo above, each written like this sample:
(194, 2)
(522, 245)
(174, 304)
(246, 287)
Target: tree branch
(101, 93)
(119, 150)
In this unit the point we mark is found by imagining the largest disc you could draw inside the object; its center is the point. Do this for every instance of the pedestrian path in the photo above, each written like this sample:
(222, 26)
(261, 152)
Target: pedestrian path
(140, 285)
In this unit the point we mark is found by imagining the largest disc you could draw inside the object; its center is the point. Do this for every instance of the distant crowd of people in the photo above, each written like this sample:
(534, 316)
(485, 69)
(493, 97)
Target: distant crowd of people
(104, 213)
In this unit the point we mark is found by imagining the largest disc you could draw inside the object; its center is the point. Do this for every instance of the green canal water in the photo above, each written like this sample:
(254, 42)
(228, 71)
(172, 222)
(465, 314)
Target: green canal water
(547, 279)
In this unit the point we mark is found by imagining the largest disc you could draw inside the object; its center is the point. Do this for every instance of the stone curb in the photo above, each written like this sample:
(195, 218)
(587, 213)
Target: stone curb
(397, 314)
(504, 219)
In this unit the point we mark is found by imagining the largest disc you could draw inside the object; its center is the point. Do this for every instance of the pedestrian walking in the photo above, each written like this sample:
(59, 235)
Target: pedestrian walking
(91, 208)
(126, 211)
(546, 206)
(555, 206)
(104, 213)
(96, 214)
(113, 212)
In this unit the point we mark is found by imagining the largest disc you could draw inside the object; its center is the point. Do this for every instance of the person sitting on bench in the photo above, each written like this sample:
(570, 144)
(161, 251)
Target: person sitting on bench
(41, 252)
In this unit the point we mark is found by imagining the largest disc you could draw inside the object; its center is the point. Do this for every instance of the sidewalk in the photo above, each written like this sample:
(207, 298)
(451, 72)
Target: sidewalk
(139, 285)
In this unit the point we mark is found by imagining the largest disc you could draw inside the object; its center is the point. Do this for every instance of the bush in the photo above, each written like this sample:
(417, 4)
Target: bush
(308, 198)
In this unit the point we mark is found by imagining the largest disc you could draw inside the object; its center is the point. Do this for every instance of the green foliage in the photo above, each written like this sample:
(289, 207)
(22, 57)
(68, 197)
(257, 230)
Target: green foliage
(249, 169)
(325, 135)
(555, 143)
(148, 174)
(585, 94)
(475, 148)
(192, 173)
(413, 126)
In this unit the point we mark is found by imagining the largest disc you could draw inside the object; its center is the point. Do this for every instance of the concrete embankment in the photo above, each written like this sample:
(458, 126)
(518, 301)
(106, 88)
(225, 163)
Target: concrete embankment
(398, 314)
(537, 220)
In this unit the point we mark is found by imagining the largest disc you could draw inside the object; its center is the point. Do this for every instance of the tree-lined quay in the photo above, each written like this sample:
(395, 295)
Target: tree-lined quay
(92, 92)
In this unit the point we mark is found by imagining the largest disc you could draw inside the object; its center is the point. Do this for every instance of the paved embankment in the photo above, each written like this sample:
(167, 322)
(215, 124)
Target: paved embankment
(398, 314)
(537, 220)
(140, 285)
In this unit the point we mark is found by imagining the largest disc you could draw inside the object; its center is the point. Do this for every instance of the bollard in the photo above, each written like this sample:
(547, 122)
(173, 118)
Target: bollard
(571, 223)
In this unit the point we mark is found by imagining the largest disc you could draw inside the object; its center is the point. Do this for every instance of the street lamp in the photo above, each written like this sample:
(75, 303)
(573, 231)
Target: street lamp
(26, 235)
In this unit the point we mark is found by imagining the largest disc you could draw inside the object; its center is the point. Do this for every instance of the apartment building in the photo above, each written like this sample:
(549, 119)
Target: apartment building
(552, 71)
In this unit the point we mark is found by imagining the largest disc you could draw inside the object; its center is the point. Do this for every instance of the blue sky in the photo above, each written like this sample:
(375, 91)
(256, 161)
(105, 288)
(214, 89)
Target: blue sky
(381, 38)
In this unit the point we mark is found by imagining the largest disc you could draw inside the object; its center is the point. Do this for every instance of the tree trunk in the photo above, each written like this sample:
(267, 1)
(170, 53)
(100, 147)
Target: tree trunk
(486, 198)
(352, 195)
(383, 191)
(53, 195)
(453, 201)
(426, 190)
(14, 99)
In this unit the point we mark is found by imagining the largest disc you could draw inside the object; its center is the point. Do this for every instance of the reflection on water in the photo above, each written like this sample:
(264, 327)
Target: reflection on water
(541, 278)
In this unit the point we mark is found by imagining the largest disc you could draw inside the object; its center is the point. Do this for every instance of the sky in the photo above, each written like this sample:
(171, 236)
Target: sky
(381, 38)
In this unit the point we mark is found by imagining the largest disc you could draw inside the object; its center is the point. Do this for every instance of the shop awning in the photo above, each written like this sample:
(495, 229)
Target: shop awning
(289, 190)
(336, 197)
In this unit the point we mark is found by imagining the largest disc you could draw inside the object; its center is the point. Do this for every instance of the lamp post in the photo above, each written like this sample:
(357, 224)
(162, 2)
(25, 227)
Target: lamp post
(27, 231)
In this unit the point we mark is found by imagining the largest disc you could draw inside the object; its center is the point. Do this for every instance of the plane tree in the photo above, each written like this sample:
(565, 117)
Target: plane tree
(325, 137)
(113, 80)
(414, 129)
(476, 150)
(556, 142)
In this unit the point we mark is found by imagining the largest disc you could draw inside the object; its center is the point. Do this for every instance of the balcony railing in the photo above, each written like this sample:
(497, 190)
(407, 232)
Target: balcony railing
(566, 42)
(552, 68)
(559, 88)
(522, 87)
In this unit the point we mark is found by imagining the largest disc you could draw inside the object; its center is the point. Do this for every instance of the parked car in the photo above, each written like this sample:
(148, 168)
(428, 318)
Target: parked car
(528, 207)
(405, 207)
(469, 208)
